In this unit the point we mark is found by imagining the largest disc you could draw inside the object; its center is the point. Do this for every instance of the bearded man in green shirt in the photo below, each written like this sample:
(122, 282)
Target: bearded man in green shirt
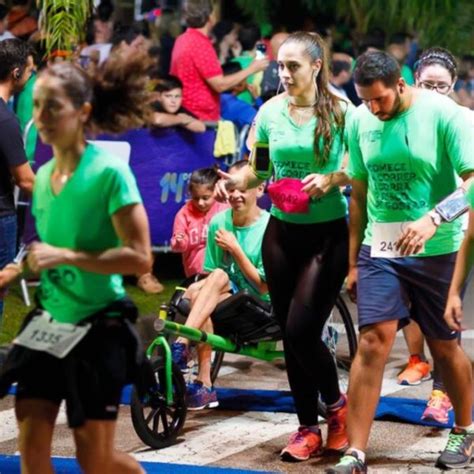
(407, 147)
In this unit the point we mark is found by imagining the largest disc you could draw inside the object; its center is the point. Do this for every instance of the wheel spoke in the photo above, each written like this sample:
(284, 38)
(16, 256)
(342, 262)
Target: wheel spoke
(164, 421)
(151, 415)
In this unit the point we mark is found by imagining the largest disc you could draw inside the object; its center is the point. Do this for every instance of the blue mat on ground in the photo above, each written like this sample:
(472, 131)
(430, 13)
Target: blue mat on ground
(408, 410)
(11, 465)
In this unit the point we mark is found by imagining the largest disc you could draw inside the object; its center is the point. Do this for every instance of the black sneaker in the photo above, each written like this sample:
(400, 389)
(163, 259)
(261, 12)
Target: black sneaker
(349, 464)
(459, 450)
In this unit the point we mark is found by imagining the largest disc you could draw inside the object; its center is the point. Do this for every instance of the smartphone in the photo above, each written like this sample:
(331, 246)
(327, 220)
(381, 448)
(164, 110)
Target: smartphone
(260, 159)
(261, 51)
(453, 206)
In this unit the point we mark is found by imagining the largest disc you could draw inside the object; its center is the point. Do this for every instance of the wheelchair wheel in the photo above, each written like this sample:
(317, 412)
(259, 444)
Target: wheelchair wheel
(156, 423)
(340, 337)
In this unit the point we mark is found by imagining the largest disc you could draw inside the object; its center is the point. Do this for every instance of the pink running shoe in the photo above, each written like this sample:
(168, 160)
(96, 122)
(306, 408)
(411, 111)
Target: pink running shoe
(438, 407)
(337, 430)
(302, 445)
(415, 372)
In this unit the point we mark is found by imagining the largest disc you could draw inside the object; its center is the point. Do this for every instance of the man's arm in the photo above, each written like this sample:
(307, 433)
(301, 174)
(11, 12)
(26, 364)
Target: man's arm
(357, 226)
(23, 177)
(464, 262)
(223, 83)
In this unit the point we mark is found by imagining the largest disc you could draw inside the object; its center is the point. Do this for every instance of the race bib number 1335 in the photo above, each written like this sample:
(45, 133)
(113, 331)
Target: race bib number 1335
(44, 334)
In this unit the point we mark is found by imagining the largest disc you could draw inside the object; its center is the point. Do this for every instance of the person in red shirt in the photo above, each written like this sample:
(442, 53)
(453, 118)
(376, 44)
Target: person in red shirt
(195, 62)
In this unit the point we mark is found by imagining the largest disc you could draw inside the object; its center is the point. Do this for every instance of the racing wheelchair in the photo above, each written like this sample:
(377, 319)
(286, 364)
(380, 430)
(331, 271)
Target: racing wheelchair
(158, 417)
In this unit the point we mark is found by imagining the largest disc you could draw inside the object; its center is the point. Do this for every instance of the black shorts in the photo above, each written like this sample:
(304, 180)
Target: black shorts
(90, 379)
(405, 288)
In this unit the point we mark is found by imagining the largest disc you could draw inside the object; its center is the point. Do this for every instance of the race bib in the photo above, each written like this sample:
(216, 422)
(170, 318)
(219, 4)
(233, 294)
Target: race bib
(384, 238)
(46, 335)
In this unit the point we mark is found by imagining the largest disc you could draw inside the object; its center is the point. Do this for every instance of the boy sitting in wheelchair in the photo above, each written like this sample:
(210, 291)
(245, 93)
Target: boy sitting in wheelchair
(233, 262)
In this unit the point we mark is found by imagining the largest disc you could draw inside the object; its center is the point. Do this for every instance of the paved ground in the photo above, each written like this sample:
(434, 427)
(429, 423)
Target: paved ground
(252, 440)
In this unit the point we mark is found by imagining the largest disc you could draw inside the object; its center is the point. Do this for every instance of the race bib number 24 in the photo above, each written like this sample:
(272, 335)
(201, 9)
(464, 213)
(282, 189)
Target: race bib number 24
(384, 239)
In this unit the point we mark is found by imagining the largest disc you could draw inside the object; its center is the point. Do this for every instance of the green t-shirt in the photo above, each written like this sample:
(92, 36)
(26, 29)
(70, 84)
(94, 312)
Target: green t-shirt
(410, 163)
(292, 155)
(245, 60)
(407, 74)
(470, 195)
(249, 238)
(24, 112)
(80, 218)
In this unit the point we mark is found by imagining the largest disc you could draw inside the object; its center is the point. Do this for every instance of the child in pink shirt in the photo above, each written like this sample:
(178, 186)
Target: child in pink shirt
(192, 220)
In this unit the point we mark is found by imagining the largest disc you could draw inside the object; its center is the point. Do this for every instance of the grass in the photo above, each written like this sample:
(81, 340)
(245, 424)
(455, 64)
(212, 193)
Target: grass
(15, 309)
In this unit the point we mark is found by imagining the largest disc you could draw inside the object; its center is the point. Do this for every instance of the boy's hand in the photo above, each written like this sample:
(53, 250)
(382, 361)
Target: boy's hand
(42, 256)
(227, 241)
(9, 273)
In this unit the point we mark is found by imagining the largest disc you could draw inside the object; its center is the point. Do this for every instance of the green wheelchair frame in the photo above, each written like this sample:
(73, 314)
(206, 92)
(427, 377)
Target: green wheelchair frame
(159, 418)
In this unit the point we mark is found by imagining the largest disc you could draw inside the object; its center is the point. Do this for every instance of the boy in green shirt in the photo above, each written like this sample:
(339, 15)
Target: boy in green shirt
(234, 262)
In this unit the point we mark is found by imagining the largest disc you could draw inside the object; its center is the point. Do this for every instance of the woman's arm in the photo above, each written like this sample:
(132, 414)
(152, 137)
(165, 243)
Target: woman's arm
(133, 257)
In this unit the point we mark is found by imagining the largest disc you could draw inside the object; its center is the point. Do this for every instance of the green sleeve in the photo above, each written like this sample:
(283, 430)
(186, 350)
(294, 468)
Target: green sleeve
(122, 188)
(212, 259)
(459, 141)
(470, 195)
(261, 132)
(356, 168)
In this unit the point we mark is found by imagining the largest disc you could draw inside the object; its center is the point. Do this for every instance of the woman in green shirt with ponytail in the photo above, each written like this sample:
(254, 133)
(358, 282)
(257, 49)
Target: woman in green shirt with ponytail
(305, 248)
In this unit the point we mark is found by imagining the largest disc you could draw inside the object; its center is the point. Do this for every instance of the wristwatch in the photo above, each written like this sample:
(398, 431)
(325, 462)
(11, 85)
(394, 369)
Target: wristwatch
(435, 217)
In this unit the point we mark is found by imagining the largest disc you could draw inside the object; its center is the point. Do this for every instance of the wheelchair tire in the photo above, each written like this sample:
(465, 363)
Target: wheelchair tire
(156, 423)
(344, 356)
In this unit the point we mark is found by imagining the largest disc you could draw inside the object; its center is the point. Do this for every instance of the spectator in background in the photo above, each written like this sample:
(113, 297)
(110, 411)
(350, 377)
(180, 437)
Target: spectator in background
(249, 36)
(167, 29)
(15, 69)
(271, 81)
(233, 108)
(4, 33)
(340, 74)
(20, 23)
(102, 30)
(399, 48)
(226, 41)
(195, 62)
(132, 39)
(168, 111)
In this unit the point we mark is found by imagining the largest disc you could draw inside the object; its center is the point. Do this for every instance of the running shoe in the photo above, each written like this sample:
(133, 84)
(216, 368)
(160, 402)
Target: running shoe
(459, 450)
(415, 372)
(438, 407)
(349, 464)
(199, 397)
(180, 355)
(302, 445)
(337, 430)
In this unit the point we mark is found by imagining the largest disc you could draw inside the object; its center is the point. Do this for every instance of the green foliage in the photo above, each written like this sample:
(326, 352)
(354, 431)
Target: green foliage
(445, 23)
(63, 22)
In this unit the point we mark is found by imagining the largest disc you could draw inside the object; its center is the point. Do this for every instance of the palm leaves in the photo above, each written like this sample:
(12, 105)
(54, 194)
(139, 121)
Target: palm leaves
(63, 22)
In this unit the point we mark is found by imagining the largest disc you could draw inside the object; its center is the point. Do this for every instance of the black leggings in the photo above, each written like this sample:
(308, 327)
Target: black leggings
(305, 267)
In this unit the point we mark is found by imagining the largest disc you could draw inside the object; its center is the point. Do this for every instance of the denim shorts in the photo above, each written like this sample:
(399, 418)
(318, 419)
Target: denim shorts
(405, 288)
